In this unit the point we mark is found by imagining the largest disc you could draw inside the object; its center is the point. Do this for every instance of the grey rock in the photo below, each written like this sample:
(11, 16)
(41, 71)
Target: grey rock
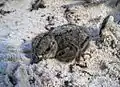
(109, 35)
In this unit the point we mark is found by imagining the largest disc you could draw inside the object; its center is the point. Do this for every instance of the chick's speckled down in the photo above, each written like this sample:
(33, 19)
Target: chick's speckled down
(64, 43)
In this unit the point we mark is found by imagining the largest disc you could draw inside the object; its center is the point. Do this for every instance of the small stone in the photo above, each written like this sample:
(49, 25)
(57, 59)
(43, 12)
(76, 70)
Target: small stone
(38, 4)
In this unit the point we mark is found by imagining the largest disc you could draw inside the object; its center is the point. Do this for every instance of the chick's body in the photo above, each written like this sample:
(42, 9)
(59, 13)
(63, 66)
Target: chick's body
(64, 43)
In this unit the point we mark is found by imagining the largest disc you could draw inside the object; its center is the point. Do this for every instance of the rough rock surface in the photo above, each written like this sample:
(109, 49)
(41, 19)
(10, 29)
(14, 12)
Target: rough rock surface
(23, 20)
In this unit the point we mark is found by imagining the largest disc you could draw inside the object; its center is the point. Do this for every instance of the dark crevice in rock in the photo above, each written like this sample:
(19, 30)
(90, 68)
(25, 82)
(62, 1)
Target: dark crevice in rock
(13, 80)
(82, 65)
(119, 79)
(118, 53)
(2, 4)
(40, 74)
(86, 72)
(50, 18)
(67, 84)
(71, 69)
(15, 69)
(32, 81)
(103, 66)
(11, 77)
(2, 12)
(38, 4)
(58, 75)
(113, 45)
(67, 13)
(103, 24)
(117, 2)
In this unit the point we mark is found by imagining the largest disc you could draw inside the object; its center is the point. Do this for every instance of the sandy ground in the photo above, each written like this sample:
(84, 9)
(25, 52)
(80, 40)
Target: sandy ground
(19, 25)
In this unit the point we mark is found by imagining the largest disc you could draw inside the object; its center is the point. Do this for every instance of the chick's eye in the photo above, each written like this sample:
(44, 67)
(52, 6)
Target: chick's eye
(61, 53)
(52, 43)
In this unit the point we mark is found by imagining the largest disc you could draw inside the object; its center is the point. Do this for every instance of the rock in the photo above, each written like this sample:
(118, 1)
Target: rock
(22, 77)
(109, 33)
(5, 81)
